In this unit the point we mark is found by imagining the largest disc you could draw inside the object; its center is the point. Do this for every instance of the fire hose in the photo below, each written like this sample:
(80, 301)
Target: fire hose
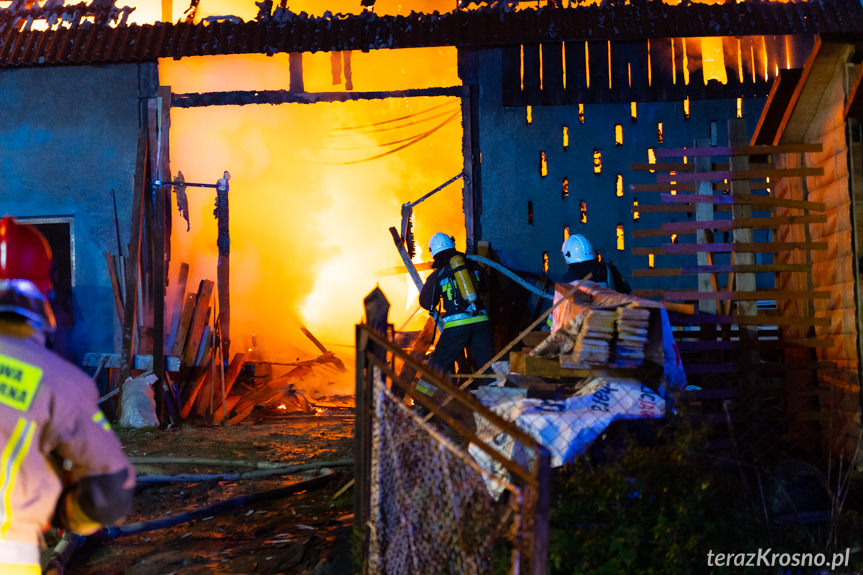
(511, 275)
(70, 542)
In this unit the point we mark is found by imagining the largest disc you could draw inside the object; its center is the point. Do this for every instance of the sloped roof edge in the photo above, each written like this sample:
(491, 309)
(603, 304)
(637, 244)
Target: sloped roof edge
(289, 32)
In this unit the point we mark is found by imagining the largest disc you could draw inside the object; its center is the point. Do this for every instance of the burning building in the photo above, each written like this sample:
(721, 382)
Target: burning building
(327, 123)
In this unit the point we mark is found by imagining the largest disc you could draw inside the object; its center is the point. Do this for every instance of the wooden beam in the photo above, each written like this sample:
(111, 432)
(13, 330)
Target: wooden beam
(773, 173)
(639, 188)
(179, 344)
(707, 282)
(129, 319)
(245, 97)
(717, 269)
(199, 320)
(665, 167)
(725, 247)
(743, 223)
(736, 150)
(740, 296)
(743, 199)
(177, 309)
(110, 259)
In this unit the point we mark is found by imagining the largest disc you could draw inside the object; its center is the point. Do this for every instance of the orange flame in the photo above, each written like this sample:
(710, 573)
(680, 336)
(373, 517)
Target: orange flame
(309, 209)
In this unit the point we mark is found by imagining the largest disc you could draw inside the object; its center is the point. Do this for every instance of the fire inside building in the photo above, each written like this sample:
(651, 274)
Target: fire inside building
(239, 199)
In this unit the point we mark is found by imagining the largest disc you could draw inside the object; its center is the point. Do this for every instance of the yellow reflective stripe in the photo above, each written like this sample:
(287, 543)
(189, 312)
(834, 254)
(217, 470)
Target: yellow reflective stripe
(20, 569)
(10, 462)
(99, 418)
(465, 321)
(426, 388)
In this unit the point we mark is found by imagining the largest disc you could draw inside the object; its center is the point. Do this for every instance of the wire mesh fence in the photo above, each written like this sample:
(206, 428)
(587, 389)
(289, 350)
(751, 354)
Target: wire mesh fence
(446, 485)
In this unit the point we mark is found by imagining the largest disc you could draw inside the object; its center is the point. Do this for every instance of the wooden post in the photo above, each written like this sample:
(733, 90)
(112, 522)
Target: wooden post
(295, 68)
(738, 136)
(223, 274)
(134, 255)
(704, 213)
(542, 514)
(362, 444)
(472, 198)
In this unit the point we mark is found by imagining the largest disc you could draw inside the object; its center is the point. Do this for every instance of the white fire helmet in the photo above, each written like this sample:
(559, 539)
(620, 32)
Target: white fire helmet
(440, 242)
(577, 249)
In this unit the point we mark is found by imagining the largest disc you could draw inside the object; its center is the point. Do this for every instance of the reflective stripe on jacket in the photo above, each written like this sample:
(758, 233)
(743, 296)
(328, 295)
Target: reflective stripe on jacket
(463, 319)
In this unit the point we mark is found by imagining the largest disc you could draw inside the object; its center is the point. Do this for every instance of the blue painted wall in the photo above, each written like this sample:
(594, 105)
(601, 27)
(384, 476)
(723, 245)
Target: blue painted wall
(511, 177)
(68, 136)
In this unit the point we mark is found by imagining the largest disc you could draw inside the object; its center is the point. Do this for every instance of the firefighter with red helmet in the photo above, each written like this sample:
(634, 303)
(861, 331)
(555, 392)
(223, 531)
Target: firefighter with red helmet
(60, 462)
(463, 321)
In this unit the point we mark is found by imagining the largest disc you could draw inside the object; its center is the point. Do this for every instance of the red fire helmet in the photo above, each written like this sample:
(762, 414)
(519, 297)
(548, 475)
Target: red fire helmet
(25, 273)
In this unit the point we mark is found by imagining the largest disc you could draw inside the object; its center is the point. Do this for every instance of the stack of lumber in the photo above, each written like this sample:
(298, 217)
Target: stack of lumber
(599, 337)
(632, 323)
(592, 333)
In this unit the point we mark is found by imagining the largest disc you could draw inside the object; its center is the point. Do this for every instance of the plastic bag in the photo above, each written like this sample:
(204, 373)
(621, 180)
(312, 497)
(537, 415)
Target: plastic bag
(138, 405)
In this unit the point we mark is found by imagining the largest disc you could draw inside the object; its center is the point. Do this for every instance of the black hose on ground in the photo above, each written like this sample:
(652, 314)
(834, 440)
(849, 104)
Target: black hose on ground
(114, 532)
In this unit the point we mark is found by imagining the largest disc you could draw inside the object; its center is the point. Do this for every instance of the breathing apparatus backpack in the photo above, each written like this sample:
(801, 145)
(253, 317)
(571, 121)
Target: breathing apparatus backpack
(464, 283)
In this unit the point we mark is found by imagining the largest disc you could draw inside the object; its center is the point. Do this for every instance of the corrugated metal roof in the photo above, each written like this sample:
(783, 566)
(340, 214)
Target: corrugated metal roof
(90, 43)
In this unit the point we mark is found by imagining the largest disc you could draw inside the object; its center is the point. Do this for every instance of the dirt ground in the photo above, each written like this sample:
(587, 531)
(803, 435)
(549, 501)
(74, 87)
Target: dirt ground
(304, 533)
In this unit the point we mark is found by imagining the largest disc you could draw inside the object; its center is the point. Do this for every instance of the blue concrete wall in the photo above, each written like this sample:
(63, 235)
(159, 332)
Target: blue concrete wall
(511, 176)
(68, 136)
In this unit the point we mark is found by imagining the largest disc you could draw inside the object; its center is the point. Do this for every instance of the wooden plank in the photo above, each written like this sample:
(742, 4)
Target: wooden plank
(761, 319)
(742, 224)
(141, 362)
(707, 282)
(160, 256)
(199, 320)
(177, 309)
(129, 314)
(664, 167)
(665, 209)
(209, 350)
(639, 188)
(193, 394)
(742, 199)
(223, 408)
(684, 295)
(179, 344)
(552, 73)
(575, 78)
(531, 72)
(719, 268)
(110, 259)
(725, 247)
(223, 267)
(522, 363)
(737, 150)
(772, 173)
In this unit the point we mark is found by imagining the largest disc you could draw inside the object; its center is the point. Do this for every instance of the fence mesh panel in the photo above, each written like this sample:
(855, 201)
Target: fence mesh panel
(452, 487)
(434, 511)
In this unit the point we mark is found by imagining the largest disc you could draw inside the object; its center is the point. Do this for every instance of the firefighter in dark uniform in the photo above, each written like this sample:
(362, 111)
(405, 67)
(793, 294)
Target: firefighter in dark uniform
(451, 292)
